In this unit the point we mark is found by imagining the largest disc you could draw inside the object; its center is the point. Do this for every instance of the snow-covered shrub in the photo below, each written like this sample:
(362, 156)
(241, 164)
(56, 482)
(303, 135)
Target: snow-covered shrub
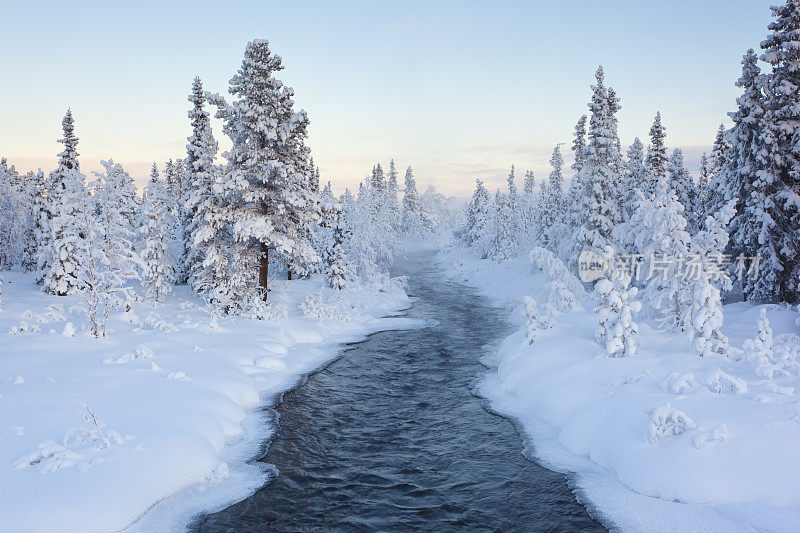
(616, 328)
(760, 352)
(156, 323)
(142, 352)
(723, 383)
(667, 422)
(707, 319)
(711, 438)
(564, 290)
(534, 319)
(326, 303)
(706, 310)
(78, 445)
(31, 322)
(679, 382)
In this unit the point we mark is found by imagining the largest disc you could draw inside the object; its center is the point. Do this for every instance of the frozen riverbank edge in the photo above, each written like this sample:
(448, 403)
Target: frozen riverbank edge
(181, 397)
(588, 416)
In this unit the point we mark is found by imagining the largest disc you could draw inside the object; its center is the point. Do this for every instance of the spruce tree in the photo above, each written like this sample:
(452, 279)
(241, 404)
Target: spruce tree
(157, 268)
(579, 144)
(778, 177)
(270, 205)
(201, 206)
(657, 153)
(597, 210)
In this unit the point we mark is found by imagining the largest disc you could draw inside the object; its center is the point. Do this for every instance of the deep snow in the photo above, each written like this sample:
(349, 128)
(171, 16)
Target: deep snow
(662, 441)
(180, 396)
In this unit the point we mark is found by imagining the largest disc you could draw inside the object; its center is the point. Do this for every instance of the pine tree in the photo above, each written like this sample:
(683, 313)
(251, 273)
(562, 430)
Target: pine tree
(412, 208)
(201, 213)
(657, 153)
(635, 179)
(67, 162)
(61, 277)
(579, 144)
(530, 183)
(682, 184)
(270, 205)
(706, 312)
(740, 172)
(476, 231)
(336, 259)
(778, 177)
(113, 203)
(597, 209)
(391, 204)
(157, 268)
(552, 212)
(663, 241)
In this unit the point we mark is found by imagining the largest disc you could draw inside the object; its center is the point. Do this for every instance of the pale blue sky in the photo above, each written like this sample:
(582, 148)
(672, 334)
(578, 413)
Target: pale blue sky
(459, 89)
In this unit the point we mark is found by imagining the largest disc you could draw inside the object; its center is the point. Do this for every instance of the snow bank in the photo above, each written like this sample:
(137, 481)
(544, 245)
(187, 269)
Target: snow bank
(169, 408)
(662, 441)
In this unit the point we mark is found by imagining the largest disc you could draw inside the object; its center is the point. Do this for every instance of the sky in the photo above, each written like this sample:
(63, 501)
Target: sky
(458, 89)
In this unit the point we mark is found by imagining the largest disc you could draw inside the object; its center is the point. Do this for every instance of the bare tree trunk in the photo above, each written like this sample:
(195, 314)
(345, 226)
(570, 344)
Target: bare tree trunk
(289, 274)
(263, 271)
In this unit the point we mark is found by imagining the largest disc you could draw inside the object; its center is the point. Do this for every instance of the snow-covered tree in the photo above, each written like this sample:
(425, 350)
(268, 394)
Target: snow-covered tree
(616, 329)
(579, 144)
(597, 210)
(664, 242)
(477, 218)
(336, 259)
(778, 177)
(551, 213)
(657, 153)
(266, 181)
(391, 206)
(634, 179)
(202, 212)
(412, 224)
(157, 265)
(706, 314)
(683, 185)
(56, 184)
(102, 273)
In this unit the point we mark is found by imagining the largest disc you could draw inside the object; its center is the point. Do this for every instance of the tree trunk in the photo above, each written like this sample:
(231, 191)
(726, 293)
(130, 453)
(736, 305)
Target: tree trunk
(263, 271)
(289, 274)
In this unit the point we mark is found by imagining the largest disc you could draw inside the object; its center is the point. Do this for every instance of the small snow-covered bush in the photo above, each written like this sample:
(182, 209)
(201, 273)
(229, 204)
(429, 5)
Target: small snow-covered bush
(707, 319)
(680, 383)
(326, 303)
(723, 383)
(556, 272)
(31, 322)
(711, 438)
(142, 352)
(155, 323)
(616, 328)
(534, 319)
(667, 422)
(760, 352)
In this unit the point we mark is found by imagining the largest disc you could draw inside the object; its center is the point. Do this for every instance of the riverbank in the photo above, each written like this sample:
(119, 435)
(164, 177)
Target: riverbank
(168, 408)
(662, 441)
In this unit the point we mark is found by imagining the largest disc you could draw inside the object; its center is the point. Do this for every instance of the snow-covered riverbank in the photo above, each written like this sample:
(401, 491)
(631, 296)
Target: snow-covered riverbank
(177, 392)
(662, 441)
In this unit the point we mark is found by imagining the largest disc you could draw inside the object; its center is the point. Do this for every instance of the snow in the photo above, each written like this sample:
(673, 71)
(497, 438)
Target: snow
(94, 433)
(664, 440)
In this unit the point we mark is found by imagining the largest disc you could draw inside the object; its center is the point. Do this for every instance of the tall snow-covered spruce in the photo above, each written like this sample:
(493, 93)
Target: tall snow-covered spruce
(58, 261)
(267, 182)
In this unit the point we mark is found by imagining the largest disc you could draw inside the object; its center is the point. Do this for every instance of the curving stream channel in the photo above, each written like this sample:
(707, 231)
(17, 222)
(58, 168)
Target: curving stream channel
(389, 437)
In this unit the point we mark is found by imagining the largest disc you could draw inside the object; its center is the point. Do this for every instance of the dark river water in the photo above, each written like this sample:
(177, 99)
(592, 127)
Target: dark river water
(390, 437)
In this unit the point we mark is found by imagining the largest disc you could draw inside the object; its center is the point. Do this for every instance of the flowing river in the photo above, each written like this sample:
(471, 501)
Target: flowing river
(390, 437)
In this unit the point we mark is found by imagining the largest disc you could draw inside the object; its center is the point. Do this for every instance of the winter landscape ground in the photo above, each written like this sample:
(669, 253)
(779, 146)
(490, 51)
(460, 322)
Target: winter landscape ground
(615, 345)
